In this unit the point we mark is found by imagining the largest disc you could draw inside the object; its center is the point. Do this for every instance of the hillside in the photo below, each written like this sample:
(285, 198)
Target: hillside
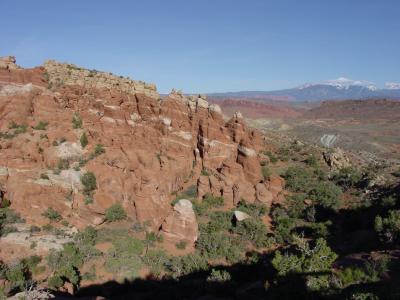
(380, 110)
(108, 190)
(254, 110)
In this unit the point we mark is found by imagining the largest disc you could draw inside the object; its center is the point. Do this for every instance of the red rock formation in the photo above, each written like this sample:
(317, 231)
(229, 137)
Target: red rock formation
(181, 224)
(153, 147)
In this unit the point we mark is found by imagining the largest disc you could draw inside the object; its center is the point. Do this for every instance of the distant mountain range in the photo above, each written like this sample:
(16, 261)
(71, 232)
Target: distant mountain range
(341, 88)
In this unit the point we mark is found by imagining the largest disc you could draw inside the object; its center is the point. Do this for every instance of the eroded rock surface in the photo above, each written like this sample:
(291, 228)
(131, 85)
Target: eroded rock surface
(153, 147)
(181, 225)
(337, 159)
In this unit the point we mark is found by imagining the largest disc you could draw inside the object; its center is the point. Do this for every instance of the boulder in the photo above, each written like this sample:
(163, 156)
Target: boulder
(8, 63)
(181, 224)
(336, 159)
(240, 216)
(264, 195)
(275, 184)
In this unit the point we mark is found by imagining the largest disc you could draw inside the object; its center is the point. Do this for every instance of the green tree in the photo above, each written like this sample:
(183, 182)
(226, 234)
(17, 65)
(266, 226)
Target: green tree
(388, 227)
(311, 262)
(84, 140)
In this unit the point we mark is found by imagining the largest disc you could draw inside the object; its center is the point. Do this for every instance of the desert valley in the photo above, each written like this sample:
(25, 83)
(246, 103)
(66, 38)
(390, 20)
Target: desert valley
(109, 189)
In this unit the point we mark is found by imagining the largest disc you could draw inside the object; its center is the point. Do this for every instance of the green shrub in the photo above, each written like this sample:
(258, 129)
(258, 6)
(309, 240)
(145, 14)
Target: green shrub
(99, 149)
(76, 121)
(4, 202)
(363, 296)
(296, 206)
(44, 176)
(388, 228)
(298, 179)
(156, 260)
(311, 160)
(129, 245)
(42, 125)
(191, 192)
(272, 157)
(178, 266)
(88, 200)
(252, 230)
(208, 202)
(89, 183)
(12, 125)
(307, 260)
(371, 271)
(204, 172)
(181, 245)
(84, 140)
(150, 239)
(31, 264)
(347, 177)
(283, 229)
(213, 245)
(115, 213)
(219, 276)
(326, 194)
(8, 229)
(123, 257)
(219, 221)
(63, 164)
(388, 201)
(55, 282)
(66, 263)
(8, 216)
(16, 130)
(256, 209)
(52, 214)
(20, 129)
(85, 241)
(16, 275)
(376, 268)
(266, 172)
(320, 229)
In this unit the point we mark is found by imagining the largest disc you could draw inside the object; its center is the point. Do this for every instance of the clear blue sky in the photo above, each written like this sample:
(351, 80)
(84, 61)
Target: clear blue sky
(210, 45)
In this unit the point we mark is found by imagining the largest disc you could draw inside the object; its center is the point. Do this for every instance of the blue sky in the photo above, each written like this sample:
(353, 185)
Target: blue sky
(210, 45)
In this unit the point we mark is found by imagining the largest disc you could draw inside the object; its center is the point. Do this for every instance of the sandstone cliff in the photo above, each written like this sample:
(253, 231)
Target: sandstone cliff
(151, 148)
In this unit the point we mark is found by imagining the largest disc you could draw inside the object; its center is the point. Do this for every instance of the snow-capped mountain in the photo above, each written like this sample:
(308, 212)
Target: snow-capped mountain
(341, 88)
(392, 85)
(343, 83)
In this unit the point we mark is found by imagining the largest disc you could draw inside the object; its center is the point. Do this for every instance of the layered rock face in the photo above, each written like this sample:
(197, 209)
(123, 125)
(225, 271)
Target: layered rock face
(59, 74)
(154, 147)
(181, 224)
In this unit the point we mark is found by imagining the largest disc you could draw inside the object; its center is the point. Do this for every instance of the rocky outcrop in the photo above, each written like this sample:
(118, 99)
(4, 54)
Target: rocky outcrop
(153, 148)
(8, 63)
(240, 216)
(69, 74)
(181, 225)
(336, 159)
